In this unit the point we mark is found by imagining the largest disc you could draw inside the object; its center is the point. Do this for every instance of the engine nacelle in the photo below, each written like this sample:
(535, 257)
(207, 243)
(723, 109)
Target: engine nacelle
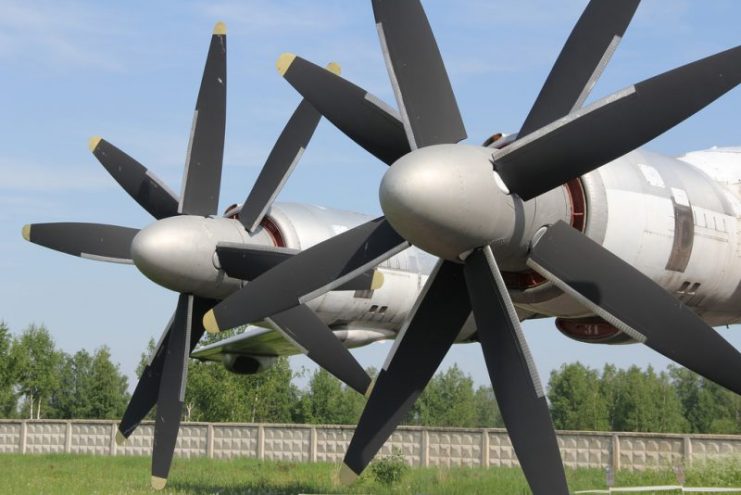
(247, 365)
(592, 330)
(356, 338)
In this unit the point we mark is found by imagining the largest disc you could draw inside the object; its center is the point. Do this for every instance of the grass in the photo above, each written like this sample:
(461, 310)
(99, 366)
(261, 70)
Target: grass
(77, 474)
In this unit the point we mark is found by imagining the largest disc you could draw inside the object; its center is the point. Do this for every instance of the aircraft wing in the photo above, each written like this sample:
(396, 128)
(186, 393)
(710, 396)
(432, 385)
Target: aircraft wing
(255, 341)
(267, 342)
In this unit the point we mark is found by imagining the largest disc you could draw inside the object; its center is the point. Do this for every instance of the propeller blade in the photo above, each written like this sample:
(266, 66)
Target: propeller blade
(247, 262)
(307, 275)
(202, 178)
(171, 393)
(633, 303)
(151, 193)
(423, 92)
(87, 240)
(588, 138)
(147, 389)
(301, 325)
(581, 62)
(365, 119)
(285, 155)
(514, 377)
(436, 320)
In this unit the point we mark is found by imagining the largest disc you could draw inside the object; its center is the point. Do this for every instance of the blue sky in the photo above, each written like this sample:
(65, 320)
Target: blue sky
(129, 71)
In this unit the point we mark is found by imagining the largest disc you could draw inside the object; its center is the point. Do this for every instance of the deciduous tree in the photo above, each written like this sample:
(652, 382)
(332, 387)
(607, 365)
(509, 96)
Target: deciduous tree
(448, 400)
(8, 397)
(577, 400)
(37, 364)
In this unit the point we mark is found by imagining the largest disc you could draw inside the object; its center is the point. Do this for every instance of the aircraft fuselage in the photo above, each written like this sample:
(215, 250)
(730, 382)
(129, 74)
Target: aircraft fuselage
(670, 219)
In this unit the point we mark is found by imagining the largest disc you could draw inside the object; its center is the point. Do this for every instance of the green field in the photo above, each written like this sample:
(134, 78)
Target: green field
(74, 474)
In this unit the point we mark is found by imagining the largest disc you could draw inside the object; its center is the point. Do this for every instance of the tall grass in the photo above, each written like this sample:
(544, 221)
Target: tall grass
(75, 474)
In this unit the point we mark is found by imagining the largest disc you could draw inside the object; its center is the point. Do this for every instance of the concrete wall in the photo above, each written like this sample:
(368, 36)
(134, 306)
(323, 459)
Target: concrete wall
(420, 446)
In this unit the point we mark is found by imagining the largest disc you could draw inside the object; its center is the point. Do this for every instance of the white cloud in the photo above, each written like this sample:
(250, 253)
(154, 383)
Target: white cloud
(20, 175)
(665, 15)
(55, 34)
(512, 14)
(264, 15)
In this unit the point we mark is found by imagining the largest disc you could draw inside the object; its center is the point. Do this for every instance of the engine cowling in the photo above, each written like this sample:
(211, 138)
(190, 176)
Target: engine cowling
(356, 337)
(592, 330)
(247, 365)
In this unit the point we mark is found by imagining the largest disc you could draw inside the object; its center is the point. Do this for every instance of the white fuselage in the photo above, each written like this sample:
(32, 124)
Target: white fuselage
(675, 220)
(672, 221)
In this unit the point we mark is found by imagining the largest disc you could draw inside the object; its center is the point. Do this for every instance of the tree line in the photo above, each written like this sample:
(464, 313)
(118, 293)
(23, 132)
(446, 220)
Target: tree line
(676, 400)
(37, 380)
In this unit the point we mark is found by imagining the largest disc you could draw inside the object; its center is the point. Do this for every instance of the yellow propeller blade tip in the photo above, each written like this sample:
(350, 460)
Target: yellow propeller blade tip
(26, 232)
(334, 68)
(220, 28)
(120, 439)
(158, 483)
(209, 322)
(377, 281)
(347, 475)
(284, 62)
(93, 142)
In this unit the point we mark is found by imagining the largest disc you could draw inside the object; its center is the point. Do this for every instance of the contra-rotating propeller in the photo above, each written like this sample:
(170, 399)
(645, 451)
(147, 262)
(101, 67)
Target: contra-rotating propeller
(455, 201)
(162, 382)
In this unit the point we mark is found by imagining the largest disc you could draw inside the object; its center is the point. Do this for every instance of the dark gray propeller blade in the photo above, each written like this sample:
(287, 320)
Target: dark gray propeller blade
(300, 324)
(634, 303)
(87, 240)
(206, 148)
(310, 273)
(581, 62)
(305, 328)
(361, 116)
(171, 393)
(249, 262)
(423, 92)
(280, 163)
(589, 138)
(283, 158)
(146, 189)
(436, 321)
(518, 390)
(147, 389)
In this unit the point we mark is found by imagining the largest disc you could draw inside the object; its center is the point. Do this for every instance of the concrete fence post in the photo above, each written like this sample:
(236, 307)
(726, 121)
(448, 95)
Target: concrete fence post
(312, 444)
(424, 450)
(615, 452)
(687, 451)
(485, 448)
(112, 440)
(68, 437)
(210, 441)
(22, 437)
(261, 442)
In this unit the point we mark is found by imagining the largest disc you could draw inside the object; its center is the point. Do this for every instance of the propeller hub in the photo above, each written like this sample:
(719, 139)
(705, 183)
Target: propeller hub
(446, 199)
(178, 253)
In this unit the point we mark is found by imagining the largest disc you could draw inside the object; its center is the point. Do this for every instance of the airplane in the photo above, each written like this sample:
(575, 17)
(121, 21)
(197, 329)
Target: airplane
(631, 252)
(579, 234)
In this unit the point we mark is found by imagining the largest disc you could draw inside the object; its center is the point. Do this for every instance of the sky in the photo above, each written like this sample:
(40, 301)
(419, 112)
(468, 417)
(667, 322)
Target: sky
(129, 71)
